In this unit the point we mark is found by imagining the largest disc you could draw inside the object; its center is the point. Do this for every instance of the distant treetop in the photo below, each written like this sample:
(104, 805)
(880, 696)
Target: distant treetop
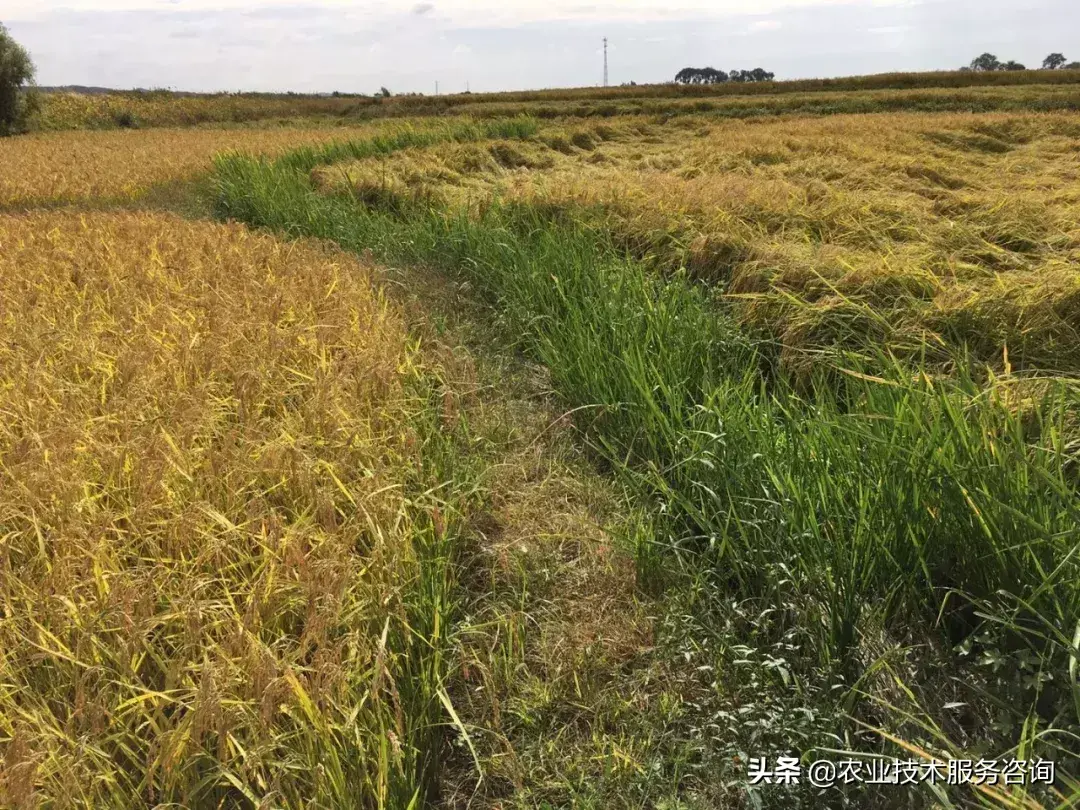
(710, 75)
(1054, 61)
(988, 61)
(985, 62)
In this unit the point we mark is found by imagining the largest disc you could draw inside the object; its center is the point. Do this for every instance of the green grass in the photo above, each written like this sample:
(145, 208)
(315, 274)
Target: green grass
(876, 511)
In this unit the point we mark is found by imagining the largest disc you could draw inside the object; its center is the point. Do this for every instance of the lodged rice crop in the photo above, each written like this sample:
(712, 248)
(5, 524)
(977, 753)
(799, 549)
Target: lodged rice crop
(216, 573)
(920, 233)
(228, 497)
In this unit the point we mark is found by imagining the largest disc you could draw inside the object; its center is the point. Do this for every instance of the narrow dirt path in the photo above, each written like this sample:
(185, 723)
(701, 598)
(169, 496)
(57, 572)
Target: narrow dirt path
(554, 654)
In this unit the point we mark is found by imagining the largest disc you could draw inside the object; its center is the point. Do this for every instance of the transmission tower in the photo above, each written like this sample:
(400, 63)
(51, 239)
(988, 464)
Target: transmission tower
(605, 63)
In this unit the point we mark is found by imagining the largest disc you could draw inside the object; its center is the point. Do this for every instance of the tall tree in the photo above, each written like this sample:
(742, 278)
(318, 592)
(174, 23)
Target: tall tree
(1054, 61)
(986, 61)
(16, 71)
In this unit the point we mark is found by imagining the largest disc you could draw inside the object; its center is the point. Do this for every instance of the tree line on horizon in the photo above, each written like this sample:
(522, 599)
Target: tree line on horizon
(708, 75)
(988, 62)
(984, 62)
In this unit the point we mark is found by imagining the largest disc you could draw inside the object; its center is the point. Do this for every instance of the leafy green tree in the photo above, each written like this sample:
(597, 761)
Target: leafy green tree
(1011, 65)
(1072, 66)
(710, 75)
(985, 62)
(384, 92)
(16, 71)
(1054, 61)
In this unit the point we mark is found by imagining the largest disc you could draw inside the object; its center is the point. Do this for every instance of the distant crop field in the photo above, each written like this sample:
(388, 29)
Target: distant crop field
(822, 102)
(945, 91)
(84, 166)
(912, 232)
(64, 110)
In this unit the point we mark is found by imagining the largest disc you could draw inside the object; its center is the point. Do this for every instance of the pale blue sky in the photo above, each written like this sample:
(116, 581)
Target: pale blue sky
(324, 45)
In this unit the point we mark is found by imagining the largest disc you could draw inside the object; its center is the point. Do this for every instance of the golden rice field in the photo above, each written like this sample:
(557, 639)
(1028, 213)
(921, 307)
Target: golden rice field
(123, 164)
(205, 445)
(224, 527)
(63, 111)
(913, 232)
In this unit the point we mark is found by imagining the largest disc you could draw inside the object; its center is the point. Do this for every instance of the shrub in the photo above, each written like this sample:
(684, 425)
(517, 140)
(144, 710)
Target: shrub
(125, 120)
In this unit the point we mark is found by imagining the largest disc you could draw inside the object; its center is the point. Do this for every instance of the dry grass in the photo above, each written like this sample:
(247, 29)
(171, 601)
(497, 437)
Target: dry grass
(204, 443)
(121, 165)
(919, 231)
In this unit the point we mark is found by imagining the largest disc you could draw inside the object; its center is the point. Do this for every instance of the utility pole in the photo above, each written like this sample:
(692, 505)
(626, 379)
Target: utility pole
(436, 88)
(605, 63)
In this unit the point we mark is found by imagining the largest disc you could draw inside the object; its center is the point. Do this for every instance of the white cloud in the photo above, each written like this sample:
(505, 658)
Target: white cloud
(476, 12)
(316, 45)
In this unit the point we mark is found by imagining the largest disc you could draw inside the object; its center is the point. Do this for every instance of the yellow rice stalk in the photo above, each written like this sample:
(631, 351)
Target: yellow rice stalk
(203, 440)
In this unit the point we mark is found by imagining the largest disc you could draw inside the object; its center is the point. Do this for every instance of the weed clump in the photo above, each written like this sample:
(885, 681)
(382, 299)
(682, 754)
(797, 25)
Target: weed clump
(125, 120)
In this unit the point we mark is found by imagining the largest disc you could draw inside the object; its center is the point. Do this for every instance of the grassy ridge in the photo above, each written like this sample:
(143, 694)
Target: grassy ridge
(882, 507)
(122, 167)
(308, 157)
